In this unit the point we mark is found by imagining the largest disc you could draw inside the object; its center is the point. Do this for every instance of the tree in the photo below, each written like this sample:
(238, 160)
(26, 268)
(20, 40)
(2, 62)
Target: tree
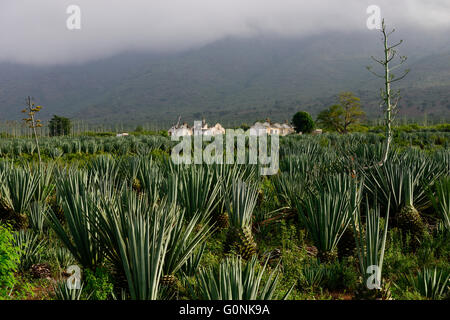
(340, 117)
(390, 99)
(353, 112)
(33, 123)
(59, 126)
(331, 119)
(303, 122)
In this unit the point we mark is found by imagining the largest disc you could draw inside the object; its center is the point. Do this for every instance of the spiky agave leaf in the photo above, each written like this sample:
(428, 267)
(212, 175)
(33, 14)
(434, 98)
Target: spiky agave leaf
(441, 201)
(240, 203)
(37, 216)
(142, 250)
(45, 185)
(78, 202)
(196, 192)
(312, 275)
(235, 279)
(430, 283)
(192, 264)
(151, 179)
(18, 188)
(387, 181)
(291, 186)
(224, 174)
(326, 212)
(371, 243)
(30, 246)
(104, 166)
(185, 237)
(427, 169)
(409, 219)
(135, 238)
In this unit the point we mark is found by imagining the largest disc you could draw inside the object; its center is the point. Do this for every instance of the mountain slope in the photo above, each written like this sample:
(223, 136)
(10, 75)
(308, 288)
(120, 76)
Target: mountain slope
(233, 80)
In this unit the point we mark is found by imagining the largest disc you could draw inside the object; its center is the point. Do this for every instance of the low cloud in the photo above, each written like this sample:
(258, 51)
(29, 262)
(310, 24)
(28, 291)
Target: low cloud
(35, 32)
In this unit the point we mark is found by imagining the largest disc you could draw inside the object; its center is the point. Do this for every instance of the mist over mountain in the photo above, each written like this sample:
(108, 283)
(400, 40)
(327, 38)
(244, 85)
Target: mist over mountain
(232, 80)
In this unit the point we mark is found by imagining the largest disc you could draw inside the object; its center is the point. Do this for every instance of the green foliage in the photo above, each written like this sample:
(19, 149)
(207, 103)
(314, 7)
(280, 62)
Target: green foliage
(98, 284)
(303, 122)
(331, 119)
(343, 116)
(59, 126)
(312, 275)
(340, 275)
(9, 259)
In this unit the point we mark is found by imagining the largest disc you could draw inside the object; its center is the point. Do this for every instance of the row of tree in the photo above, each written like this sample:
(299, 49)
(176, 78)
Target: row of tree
(339, 117)
(59, 126)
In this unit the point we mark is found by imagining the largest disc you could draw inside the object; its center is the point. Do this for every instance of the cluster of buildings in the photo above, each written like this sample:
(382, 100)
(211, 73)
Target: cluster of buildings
(203, 129)
(259, 128)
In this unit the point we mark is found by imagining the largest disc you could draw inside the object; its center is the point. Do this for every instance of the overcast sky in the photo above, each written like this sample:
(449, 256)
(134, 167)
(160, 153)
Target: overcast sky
(35, 32)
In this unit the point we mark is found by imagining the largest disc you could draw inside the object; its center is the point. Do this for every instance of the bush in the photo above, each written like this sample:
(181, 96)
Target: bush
(303, 122)
(98, 284)
(9, 259)
(340, 276)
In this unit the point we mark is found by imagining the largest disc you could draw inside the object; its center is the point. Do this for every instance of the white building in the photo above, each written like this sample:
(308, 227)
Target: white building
(203, 129)
(259, 129)
(287, 129)
(216, 130)
(180, 131)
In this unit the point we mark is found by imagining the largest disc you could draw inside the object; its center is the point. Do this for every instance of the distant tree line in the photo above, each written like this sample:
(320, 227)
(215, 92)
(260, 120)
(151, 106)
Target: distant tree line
(59, 126)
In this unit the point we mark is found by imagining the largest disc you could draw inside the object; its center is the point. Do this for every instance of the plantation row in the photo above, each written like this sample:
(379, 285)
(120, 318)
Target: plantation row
(56, 147)
(140, 227)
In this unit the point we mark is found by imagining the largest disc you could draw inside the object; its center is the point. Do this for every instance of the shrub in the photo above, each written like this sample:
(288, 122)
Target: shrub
(340, 276)
(303, 122)
(9, 259)
(98, 284)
